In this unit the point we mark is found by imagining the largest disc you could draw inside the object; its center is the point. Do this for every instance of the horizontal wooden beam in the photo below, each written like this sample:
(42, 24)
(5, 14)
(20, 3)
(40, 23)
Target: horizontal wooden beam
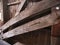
(36, 7)
(31, 26)
(14, 3)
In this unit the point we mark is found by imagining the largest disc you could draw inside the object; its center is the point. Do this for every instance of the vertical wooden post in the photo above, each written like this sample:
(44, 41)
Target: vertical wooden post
(55, 32)
(6, 15)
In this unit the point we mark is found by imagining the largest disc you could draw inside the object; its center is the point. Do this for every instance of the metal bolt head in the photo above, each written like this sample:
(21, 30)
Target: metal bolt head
(57, 8)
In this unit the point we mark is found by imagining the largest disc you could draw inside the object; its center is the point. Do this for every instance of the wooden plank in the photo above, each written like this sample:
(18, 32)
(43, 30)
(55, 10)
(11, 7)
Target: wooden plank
(13, 3)
(5, 11)
(55, 32)
(16, 2)
(55, 40)
(31, 26)
(1, 10)
(29, 11)
(20, 7)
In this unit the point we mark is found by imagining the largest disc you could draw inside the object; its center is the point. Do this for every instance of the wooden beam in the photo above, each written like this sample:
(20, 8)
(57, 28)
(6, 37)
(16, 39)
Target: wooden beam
(20, 7)
(14, 3)
(31, 26)
(5, 11)
(1, 10)
(43, 5)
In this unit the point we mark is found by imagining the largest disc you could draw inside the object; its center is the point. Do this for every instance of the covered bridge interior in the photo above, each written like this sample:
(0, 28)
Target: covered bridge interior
(30, 22)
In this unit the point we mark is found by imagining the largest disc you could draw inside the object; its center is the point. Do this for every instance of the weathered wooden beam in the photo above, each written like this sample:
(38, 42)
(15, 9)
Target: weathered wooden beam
(14, 3)
(20, 7)
(1, 10)
(5, 11)
(31, 26)
(32, 10)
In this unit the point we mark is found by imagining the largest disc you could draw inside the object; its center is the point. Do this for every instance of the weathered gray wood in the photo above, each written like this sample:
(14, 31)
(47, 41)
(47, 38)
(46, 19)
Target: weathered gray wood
(20, 7)
(13, 3)
(31, 26)
(1, 10)
(32, 10)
